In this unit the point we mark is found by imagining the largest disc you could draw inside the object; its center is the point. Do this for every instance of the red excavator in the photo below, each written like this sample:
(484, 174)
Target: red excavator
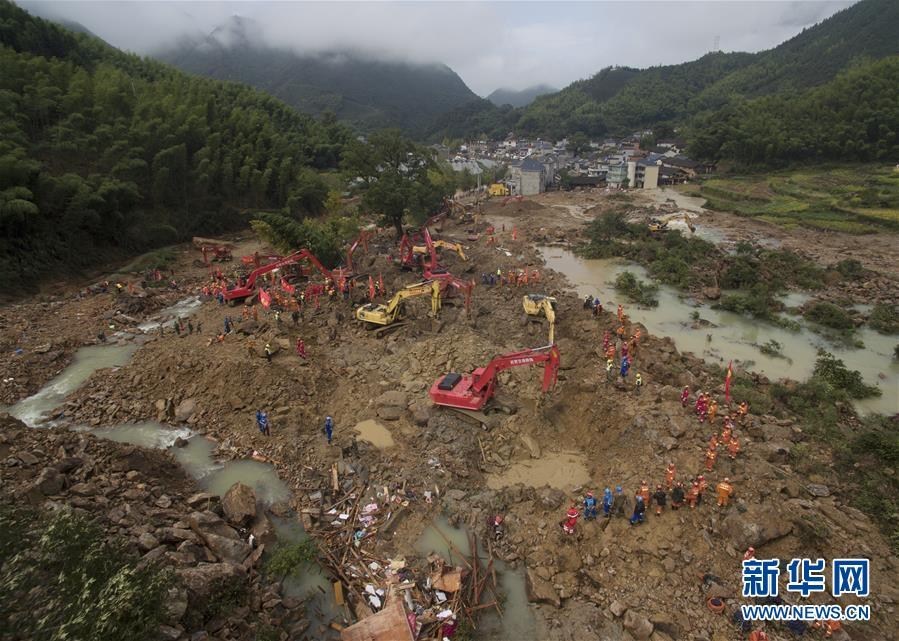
(212, 250)
(258, 260)
(363, 240)
(248, 288)
(449, 285)
(472, 391)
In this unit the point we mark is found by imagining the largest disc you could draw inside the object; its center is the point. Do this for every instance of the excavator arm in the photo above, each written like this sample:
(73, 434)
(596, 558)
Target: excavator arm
(465, 286)
(473, 391)
(387, 314)
(548, 355)
(363, 240)
(249, 288)
(540, 305)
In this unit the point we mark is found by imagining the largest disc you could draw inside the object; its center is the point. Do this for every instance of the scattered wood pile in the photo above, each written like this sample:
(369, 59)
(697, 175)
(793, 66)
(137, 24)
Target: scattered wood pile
(430, 599)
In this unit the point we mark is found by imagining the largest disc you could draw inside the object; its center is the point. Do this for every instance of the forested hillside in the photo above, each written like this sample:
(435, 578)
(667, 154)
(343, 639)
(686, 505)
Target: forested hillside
(364, 92)
(854, 117)
(104, 154)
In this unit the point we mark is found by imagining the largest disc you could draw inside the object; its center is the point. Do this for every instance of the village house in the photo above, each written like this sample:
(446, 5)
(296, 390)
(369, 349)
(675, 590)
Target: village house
(528, 178)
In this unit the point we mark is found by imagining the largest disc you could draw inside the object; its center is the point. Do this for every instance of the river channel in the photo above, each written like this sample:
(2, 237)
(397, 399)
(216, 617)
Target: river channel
(732, 336)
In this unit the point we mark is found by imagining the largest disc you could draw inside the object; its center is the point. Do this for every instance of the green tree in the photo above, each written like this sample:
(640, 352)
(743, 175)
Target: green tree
(395, 176)
(578, 143)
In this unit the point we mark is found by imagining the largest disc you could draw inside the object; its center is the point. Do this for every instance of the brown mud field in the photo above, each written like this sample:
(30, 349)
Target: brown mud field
(529, 460)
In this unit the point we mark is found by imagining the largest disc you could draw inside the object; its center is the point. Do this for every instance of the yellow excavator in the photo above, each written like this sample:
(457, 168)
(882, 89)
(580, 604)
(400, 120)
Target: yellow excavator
(537, 305)
(380, 314)
(442, 244)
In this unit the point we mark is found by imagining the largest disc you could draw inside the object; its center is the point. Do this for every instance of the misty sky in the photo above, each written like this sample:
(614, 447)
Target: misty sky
(489, 44)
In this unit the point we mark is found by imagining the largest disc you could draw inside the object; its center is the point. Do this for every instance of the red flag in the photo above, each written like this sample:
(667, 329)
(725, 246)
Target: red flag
(265, 299)
(371, 288)
(287, 287)
(727, 379)
(381, 282)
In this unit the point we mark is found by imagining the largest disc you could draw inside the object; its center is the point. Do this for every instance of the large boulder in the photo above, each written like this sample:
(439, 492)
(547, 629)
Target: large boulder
(531, 443)
(638, 625)
(50, 481)
(185, 409)
(540, 590)
(204, 581)
(393, 398)
(210, 523)
(230, 550)
(239, 504)
(755, 527)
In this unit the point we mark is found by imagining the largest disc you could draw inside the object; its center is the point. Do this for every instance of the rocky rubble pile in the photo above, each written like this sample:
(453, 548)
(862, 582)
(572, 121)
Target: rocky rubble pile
(143, 497)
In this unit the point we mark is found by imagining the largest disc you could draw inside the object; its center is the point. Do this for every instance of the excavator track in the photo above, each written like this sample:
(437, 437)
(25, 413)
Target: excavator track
(386, 329)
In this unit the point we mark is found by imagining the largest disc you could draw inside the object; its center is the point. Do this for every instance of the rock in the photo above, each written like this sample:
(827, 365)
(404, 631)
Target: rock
(392, 398)
(239, 504)
(176, 535)
(532, 445)
(180, 442)
(716, 590)
(175, 604)
(263, 529)
(226, 549)
(49, 482)
(774, 451)
(638, 625)
(668, 442)
(202, 499)
(83, 489)
(185, 409)
(168, 633)
(540, 590)
(207, 580)
(817, 489)
(421, 413)
(133, 459)
(566, 584)
(27, 458)
(68, 463)
(568, 559)
(755, 527)
(165, 409)
(146, 542)
(677, 427)
(164, 502)
(712, 293)
(617, 608)
(551, 497)
(390, 413)
(209, 522)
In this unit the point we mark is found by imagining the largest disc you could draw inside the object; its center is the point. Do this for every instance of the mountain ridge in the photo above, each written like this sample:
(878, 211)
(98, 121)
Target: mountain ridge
(519, 97)
(364, 91)
(623, 99)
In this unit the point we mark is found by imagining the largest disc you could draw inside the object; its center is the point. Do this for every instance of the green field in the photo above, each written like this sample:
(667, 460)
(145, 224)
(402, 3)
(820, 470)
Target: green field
(857, 199)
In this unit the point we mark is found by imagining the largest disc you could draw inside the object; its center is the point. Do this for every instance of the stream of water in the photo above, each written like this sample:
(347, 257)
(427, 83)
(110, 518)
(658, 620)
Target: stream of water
(35, 409)
(166, 317)
(517, 621)
(734, 336)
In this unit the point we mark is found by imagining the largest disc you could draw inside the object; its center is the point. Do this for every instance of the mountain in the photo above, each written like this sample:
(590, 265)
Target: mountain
(105, 154)
(622, 99)
(521, 98)
(360, 90)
